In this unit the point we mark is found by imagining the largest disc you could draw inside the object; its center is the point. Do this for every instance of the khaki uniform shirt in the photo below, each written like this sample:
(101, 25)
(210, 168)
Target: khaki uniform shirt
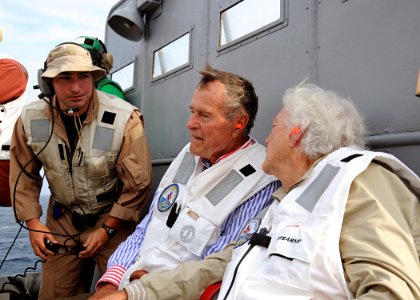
(133, 167)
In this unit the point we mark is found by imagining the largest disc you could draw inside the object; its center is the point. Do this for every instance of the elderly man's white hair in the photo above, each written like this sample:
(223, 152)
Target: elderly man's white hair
(328, 120)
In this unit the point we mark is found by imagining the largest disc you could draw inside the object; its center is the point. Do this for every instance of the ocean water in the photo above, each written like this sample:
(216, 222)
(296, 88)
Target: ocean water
(21, 256)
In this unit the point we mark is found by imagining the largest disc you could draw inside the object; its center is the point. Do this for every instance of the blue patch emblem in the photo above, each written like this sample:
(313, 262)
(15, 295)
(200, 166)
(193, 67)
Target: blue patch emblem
(247, 231)
(167, 197)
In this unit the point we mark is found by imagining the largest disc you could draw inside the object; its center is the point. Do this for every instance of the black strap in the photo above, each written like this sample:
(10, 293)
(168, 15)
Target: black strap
(173, 215)
(247, 170)
(349, 158)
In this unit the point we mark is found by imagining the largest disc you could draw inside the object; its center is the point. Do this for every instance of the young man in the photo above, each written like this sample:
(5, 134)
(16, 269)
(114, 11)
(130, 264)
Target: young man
(96, 160)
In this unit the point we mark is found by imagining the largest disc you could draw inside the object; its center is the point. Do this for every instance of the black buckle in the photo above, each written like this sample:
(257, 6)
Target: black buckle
(261, 238)
(63, 249)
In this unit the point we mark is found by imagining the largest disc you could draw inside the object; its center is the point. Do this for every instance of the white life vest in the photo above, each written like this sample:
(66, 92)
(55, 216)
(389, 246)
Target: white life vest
(9, 113)
(204, 201)
(88, 182)
(303, 260)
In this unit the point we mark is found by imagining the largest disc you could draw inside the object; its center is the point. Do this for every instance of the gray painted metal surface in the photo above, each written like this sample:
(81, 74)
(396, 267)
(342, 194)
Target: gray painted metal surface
(368, 51)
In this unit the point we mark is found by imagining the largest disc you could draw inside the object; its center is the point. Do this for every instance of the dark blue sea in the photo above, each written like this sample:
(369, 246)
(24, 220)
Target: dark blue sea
(21, 256)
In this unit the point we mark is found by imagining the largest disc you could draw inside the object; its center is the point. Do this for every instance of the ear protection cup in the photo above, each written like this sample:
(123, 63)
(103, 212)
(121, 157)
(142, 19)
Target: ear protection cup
(45, 86)
(106, 61)
(97, 49)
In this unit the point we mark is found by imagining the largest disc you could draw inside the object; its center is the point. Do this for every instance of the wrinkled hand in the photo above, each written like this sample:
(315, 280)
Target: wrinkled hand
(94, 243)
(38, 238)
(137, 274)
(106, 290)
(118, 295)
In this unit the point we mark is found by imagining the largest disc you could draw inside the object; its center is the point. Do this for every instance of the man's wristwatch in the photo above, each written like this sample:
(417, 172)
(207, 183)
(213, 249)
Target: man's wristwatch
(109, 230)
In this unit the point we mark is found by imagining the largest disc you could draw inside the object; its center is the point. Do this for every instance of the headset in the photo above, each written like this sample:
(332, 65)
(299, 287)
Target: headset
(97, 49)
(45, 86)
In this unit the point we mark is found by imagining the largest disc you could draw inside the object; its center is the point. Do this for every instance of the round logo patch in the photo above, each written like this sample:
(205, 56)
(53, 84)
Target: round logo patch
(168, 197)
(187, 234)
(249, 228)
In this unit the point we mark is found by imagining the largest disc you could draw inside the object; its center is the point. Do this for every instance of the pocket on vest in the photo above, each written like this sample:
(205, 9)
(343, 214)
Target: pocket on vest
(192, 231)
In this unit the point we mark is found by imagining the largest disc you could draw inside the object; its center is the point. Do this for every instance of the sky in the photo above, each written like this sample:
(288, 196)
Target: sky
(31, 28)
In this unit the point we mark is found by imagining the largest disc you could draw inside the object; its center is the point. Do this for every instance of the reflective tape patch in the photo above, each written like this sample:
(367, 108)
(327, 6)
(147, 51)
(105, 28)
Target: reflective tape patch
(185, 169)
(40, 130)
(312, 194)
(103, 138)
(224, 187)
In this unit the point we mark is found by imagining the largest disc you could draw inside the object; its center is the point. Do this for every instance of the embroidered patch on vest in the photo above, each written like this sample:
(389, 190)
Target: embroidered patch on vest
(187, 234)
(251, 227)
(167, 197)
(108, 117)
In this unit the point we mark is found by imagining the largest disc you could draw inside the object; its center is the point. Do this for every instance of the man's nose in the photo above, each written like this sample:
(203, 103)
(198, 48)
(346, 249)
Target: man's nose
(192, 122)
(75, 85)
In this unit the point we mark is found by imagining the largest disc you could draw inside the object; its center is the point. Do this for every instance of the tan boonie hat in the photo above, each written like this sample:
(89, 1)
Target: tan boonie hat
(70, 58)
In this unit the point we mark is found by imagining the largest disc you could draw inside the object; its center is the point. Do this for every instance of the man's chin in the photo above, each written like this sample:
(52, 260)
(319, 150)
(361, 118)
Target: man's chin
(265, 167)
(194, 149)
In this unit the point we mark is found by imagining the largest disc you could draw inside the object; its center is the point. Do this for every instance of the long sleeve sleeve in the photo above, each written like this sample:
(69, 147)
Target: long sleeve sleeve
(135, 171)
(187, 281)
(125, 254)
(25, 179)
(376, 243)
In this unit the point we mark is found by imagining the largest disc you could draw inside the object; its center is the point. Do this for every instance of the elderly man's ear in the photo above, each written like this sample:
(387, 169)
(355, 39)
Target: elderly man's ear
(241, 123)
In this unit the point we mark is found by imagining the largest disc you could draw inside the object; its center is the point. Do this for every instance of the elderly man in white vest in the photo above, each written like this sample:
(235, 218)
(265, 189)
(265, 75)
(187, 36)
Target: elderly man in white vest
(343, 225)
(211, 189)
